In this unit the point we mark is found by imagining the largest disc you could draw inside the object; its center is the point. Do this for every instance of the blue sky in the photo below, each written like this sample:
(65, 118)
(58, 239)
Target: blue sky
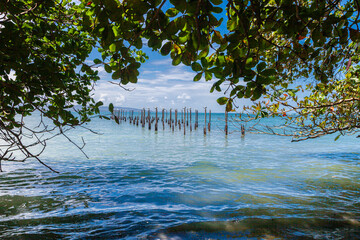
(161, 85)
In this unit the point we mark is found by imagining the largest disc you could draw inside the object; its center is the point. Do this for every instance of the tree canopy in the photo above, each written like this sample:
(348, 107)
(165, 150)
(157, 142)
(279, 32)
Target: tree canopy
(294, 59)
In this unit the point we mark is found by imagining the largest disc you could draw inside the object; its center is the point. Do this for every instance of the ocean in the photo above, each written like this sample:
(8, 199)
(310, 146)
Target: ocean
(142, 184)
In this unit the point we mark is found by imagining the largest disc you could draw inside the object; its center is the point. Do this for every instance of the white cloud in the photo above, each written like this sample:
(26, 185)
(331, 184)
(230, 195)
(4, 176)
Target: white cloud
(152, 100)
(163, 87)
(183, 96)
(167, 62)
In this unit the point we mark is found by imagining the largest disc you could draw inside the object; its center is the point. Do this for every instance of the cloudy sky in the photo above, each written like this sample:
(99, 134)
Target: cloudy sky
(160, 85)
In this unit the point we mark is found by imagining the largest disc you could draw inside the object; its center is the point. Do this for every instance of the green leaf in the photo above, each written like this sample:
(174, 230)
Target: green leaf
(232, 24)
(354, 35)
(268, 72)
(196, 67)
(132, 78)
(112, 47)
(249, 61)
(229, 105)
(256, 93)
(165, 50)
(204, 62)
(177, 60)
(261, 66)
(197, 77)
(172, 12)
(138, 43)
(116, 75)
(111, 108)
(208, 75)
(107, 68)
(222, 100)
(337, 137)
(97, 61)
(204, 52)
(216, 10)
(116, 31)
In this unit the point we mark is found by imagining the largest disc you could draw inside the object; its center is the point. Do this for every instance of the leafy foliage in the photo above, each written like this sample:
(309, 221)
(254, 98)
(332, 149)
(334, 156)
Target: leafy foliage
(250, 49)
(42, 48)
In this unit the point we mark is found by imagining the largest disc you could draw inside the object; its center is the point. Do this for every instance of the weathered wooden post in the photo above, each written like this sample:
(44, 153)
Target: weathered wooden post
(196, 119)
(190, 121)
(142, 118)
(181, 118)
(187, 117)
(209, 124)
(149, 118)
(166, 115)
(205, 123)
(175, 117)
(162, 119)
(170, 121)
(156, 119)
(226, 123)
(184, 120)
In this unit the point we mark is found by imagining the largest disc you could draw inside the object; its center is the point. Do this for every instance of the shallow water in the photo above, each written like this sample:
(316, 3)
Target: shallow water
(139, 184)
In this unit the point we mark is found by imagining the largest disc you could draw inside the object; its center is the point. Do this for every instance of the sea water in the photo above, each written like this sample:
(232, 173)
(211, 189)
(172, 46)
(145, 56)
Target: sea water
(142, 184)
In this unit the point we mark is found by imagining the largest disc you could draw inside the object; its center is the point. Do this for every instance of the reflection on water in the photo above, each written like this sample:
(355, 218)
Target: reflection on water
(145, 185)
(255, 228)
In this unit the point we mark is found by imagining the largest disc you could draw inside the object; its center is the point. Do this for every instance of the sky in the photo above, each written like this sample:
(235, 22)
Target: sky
(161, 85)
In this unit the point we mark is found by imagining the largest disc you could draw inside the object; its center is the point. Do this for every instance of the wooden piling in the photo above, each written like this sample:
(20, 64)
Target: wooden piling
(196, 119)
(242, 130)
(184, 116)
(162, 119)
(226, 123)
(209, 124)
(187, 117)
(143, 118)
(175, 117)
(181, 116)
(190, 121)
(170, 122)
(149, 118)
(166, 117)
(205, 123)
(156, 119)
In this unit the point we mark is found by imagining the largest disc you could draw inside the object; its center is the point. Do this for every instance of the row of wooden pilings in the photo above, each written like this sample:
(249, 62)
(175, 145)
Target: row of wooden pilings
(181, 120)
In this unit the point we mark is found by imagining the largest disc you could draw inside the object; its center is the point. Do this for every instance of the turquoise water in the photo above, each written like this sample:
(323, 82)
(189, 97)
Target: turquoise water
(138, 184)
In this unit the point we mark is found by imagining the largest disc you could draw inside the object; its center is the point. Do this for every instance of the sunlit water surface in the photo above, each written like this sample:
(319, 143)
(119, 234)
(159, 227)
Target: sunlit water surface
(139, 184)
